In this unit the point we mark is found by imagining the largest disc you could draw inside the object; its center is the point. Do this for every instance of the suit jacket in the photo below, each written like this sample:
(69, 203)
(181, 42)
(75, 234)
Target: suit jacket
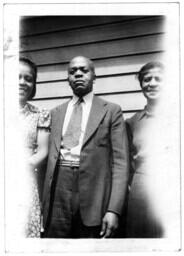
(103, 161)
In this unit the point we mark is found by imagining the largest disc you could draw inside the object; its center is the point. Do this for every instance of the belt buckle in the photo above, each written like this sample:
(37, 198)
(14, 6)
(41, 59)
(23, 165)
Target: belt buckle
(72, 164)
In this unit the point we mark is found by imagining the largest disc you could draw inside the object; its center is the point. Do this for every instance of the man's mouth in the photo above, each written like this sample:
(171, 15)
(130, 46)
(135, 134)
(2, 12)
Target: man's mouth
(79, 82)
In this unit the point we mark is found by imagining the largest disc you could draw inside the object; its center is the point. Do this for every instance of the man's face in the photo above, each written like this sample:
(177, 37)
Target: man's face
(152, 84)
(81, 76)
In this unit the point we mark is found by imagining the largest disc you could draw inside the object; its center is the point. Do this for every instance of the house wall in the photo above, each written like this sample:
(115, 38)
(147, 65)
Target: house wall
(118, 45)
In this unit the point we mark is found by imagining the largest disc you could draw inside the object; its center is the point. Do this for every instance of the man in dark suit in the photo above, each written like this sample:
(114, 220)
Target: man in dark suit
(87, 170)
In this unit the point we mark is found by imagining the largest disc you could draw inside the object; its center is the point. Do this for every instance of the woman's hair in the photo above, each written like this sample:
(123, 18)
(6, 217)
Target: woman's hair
(34, 72)
(150, 65)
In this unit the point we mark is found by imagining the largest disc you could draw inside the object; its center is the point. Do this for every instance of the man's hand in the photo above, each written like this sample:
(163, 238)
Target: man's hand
(109, 225)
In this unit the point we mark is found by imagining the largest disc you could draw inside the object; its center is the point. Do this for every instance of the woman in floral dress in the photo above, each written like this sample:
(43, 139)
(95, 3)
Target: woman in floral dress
(35, 127)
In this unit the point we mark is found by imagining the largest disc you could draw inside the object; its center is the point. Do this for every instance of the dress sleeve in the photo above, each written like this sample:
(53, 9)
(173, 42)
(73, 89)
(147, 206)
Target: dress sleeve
(44, 120)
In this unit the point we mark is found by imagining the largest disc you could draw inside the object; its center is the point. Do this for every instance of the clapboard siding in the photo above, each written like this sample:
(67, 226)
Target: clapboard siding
(100, 50)
(49, 24)
(118, 45)
(127, 101)
(92, 34)
(117, 65)
(117, 84)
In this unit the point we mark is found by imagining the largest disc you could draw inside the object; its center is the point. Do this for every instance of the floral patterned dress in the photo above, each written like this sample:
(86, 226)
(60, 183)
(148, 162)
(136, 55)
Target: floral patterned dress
(32, 119)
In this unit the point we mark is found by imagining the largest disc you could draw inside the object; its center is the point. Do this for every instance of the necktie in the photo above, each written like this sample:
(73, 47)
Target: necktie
(73, 131)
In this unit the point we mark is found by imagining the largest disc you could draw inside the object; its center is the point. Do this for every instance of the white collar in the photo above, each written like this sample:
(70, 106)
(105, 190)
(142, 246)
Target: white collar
(87, 98)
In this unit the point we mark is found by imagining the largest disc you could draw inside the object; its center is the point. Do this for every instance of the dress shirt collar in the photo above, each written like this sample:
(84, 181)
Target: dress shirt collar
(86, 99)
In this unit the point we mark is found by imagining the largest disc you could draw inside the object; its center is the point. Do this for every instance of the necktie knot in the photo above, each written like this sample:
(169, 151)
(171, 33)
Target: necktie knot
(80, 100)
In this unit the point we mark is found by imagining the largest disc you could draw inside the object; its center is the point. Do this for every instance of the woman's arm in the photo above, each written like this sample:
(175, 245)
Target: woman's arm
(42, 150)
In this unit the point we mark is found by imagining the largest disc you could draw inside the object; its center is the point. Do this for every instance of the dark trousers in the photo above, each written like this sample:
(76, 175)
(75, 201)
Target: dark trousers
(64, 219)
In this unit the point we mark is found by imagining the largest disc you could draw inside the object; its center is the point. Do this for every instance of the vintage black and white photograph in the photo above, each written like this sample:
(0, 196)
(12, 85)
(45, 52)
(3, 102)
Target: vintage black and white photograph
(92, 127)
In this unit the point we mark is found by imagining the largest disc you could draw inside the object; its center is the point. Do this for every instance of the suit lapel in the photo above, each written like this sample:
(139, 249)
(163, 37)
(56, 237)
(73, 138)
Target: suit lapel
(97, 112)
(58, 125)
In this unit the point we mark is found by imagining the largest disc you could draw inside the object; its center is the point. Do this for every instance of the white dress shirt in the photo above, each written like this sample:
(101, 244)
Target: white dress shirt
(73, 154)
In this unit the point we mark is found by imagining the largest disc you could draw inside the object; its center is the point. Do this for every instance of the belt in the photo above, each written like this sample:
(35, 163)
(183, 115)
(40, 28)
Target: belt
(68, 163)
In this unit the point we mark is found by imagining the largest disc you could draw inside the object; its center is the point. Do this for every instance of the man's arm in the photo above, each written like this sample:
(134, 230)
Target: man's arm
(120, 160)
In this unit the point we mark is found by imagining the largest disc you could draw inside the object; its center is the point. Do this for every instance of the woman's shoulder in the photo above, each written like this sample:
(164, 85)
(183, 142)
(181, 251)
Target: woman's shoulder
(32, 108)
(44, 120)
(44, 116)
(132, 121)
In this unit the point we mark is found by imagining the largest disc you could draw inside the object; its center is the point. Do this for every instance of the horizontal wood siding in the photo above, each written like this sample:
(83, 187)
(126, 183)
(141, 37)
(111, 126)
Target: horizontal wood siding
(118, 45)
(103, 67)
(109, 49)
(48, 24)
(92, 34)
(121, 84)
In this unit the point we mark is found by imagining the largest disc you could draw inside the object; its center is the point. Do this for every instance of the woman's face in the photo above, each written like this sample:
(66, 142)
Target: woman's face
(152, 84)
(26, 82)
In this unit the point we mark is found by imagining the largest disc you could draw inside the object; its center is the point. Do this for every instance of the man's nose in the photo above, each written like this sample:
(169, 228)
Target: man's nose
(78, 73)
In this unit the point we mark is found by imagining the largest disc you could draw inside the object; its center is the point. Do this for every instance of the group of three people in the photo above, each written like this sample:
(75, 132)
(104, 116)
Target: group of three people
(94, 177)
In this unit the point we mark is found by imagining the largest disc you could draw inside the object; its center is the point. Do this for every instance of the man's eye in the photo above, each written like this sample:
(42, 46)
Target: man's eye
(85, 70)
(71, 72)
